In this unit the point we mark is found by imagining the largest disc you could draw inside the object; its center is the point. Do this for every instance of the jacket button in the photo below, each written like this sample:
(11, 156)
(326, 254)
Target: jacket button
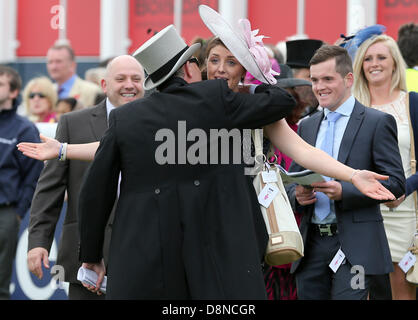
(157, 191)
(196, 183)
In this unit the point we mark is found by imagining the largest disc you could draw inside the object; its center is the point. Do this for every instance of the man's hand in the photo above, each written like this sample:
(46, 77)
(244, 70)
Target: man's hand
(100, 270)
(305, 196)
(332, 189)
(414, 250)
(395, 203)
(47, 149)
(37, 257)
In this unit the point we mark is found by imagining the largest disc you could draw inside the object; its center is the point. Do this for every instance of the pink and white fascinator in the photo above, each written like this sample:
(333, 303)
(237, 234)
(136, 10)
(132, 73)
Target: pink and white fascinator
(256, 46)
(245, 44)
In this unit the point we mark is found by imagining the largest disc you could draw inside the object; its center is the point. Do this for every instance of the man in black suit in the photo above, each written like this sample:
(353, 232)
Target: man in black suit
(336, 215)
(123, 83)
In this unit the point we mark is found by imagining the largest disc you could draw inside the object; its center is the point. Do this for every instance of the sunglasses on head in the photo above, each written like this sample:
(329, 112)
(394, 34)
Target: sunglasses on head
(194, 60)
(34, 94)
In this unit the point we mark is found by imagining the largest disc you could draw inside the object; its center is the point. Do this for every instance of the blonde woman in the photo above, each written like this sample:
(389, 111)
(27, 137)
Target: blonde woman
(379, 73)
(39, 99)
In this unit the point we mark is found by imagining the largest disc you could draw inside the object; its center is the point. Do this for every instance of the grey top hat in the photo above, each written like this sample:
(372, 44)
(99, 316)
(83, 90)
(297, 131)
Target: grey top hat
(162, 55)
(292, 82)
(286, 80)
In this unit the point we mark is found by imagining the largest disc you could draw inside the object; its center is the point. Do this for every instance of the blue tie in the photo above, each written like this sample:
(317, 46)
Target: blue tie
(322, 204)
(60, 91)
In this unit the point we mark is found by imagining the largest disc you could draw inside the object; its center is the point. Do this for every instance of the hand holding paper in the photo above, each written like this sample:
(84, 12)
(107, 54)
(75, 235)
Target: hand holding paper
(92, 276)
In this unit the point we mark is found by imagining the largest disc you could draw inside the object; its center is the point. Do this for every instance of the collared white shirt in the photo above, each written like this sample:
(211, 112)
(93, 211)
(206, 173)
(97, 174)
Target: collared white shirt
(109, 107)
(340, 125)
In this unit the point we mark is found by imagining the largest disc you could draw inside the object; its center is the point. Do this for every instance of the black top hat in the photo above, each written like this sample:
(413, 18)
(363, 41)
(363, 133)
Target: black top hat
(300, 52)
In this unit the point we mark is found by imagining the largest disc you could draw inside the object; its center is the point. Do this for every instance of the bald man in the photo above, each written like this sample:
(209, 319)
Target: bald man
(123, 83)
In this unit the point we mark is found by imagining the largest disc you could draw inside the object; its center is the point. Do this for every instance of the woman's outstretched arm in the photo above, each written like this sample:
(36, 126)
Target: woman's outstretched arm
(49, 148)
(287, 141)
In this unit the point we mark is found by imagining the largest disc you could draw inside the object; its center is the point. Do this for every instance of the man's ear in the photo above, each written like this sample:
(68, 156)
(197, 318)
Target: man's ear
(13, 94)
(103, 83)
(349, 78)
(187, 69)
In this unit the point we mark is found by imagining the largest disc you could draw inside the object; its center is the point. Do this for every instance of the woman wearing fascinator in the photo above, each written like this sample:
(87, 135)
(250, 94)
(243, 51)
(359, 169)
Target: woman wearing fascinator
(380, 83)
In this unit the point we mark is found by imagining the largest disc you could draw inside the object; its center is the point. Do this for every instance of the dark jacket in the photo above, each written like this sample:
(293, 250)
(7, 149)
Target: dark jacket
(180, 231)
(369, 142)
(18, 173)
(412, 181)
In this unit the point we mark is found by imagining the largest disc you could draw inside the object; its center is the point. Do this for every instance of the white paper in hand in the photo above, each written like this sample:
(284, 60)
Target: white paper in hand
(89, 277)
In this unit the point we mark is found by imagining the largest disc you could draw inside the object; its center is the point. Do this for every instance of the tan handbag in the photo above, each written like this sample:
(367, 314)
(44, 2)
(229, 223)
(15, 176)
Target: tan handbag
(412, 274)
(285, 243)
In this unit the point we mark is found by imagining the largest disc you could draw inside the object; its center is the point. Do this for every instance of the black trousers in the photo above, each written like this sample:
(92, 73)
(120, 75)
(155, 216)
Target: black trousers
(9, 231)
(316, 281)
(78, 292)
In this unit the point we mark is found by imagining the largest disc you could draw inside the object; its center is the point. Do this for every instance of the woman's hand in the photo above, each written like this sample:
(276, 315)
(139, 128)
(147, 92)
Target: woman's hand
(368, 183)
(47, 149)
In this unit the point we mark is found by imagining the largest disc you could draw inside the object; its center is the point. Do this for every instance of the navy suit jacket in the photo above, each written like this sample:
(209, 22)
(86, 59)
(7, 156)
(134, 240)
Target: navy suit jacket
(412, 181)
(369, 142)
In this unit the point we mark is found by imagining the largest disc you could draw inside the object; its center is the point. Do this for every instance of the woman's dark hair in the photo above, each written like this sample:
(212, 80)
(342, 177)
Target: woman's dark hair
(71, 101)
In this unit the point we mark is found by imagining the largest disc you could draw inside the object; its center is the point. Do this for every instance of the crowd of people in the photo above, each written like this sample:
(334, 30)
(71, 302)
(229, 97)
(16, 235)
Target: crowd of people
(195, 231)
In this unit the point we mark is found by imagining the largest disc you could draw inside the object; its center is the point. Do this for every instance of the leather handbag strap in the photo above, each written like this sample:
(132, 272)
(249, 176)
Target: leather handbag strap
(258, 141)
(257, 135)
(413, 160)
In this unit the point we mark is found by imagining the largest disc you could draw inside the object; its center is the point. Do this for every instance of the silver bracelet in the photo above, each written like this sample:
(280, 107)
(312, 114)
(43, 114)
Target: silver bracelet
(353, 174)
(63, 152)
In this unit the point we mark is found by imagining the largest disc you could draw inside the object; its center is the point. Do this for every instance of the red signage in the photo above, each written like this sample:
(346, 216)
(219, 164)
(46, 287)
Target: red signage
(324, 19)
(147, 17)
(38, 24)
(394, 13)
(275, 19)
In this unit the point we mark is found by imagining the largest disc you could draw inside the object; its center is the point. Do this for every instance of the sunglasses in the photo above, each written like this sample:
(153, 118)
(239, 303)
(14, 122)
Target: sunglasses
(34, 94)
(194, 60)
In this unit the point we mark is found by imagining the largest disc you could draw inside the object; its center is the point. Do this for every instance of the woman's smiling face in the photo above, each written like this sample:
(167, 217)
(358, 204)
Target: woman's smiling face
(378, 64)
(222, 64)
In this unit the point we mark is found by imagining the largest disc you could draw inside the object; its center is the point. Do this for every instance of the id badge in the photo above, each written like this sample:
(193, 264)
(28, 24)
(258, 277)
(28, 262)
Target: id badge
(337, 260)
(267, 195)
(407, 262)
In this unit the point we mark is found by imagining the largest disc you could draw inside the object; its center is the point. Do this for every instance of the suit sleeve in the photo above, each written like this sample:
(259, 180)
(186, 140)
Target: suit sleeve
(49, 197)
(386, 161)
(98, 194)
(249, 111)
(412, 181)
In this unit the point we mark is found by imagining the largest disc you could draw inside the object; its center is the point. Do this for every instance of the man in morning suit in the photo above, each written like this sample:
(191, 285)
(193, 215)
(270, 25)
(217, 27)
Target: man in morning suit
(181, 231)
(123, 83)
(335, 214)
